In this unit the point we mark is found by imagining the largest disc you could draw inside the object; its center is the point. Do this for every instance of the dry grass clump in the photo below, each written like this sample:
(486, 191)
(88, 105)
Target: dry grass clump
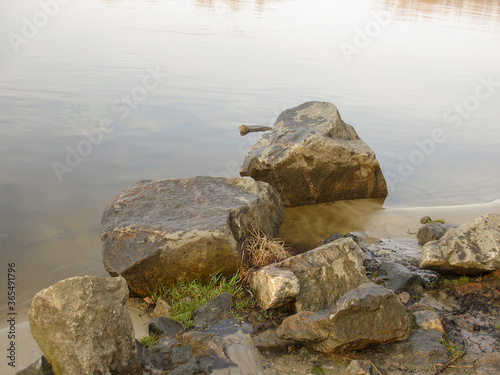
(259, 250)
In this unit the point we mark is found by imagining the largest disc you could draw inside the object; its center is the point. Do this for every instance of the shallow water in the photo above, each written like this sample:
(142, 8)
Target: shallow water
(219, 64)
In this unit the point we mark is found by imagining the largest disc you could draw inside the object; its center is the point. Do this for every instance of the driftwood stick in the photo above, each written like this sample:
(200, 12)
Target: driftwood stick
(455, 358)
(245, 129)
(375, 367)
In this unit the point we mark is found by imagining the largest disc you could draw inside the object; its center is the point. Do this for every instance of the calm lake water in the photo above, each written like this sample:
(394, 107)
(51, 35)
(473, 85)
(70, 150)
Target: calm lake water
(160, 87)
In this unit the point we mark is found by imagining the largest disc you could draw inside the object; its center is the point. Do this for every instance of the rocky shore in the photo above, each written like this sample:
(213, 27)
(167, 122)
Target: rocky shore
(355, 304)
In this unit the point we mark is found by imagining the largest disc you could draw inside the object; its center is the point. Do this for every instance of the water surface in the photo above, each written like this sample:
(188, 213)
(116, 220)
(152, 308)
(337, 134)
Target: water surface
(223, 63)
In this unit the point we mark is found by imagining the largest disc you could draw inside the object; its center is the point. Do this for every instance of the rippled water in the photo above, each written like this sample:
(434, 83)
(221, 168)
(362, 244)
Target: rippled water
(161, 87)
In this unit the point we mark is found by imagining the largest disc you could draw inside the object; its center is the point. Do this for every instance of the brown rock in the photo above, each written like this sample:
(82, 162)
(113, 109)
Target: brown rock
(324, 274)
(468, 250)
(162, 308)
(273, 286)
(323, 156)
(83, 326)
(159, 232)
(367, 315)
(428, 320)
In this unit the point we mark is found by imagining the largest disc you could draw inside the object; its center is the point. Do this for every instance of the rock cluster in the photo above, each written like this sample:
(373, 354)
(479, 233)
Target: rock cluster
(468, 250)
(312, 156)
(313, 280)
(367, 315)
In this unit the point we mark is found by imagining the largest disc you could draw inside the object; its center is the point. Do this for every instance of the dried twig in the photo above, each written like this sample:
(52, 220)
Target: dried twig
(375, 367)
(453, 359)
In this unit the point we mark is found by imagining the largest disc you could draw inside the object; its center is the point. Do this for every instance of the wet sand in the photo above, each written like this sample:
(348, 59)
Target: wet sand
(303, 228)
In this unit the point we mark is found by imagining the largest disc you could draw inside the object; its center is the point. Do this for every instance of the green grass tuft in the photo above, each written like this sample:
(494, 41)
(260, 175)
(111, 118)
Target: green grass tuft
(188, 296)
(451, 348)
(148, 341)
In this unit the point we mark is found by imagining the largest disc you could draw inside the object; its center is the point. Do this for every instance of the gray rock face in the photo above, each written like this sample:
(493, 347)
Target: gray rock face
(418, 353)
(312, 156)
(324, 275)
(214, 311)
(367, 315)
(432, 232)
(82, 326)
(164, 327)
(184, 229)
(469, 249)
(397, 276)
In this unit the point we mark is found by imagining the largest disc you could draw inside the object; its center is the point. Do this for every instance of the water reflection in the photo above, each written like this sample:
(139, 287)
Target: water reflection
(485, 13)
(304, 227)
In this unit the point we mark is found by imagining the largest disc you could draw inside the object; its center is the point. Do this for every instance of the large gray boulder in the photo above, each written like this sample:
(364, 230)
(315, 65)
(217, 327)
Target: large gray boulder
(159, 232)
(469, 249)
(324, 274)
(83, 326)
(312, 156)
(367, 315)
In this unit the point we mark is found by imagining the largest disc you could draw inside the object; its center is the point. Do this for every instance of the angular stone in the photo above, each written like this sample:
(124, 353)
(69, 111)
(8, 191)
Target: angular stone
(432, 232)
(269, 342)
(162, 308)
(396, 276)
(367, 315)
(325, 273)
(428, 320)
(164, 327)
(157, 356)
(469, 249)
(404, 297)
(159, 232)
(214, 311)
(83, 326)
(273, 287)
(312, 156)
(181, 354)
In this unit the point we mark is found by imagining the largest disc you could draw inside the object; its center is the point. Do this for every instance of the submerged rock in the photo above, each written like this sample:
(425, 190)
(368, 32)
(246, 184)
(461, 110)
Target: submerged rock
(312, 156)
(83, 326)
(469, 249)
(324, 274)
(367, 315)
(158, 232)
